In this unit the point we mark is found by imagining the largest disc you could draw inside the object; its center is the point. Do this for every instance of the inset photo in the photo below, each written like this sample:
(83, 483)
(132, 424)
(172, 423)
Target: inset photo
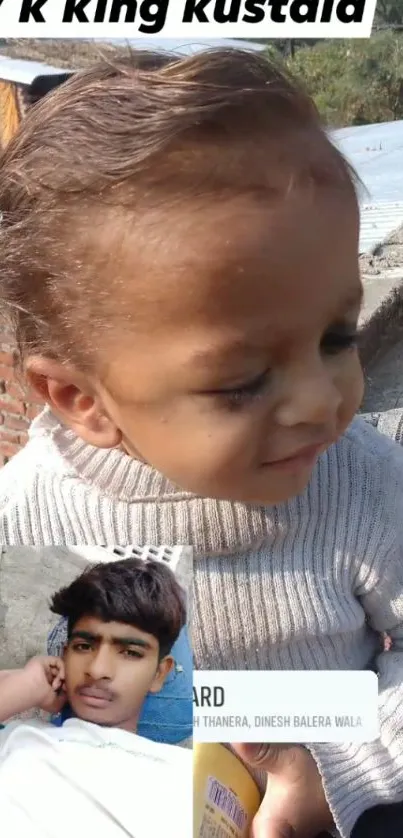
(95, 691)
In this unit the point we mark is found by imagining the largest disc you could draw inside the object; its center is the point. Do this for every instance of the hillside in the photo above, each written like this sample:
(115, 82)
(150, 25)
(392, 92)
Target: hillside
(69, 54)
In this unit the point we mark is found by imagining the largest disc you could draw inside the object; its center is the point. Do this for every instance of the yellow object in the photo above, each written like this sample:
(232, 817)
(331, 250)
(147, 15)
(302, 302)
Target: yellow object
(225, 798)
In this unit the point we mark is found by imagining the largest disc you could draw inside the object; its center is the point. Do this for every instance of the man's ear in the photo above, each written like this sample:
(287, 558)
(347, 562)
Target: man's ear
(73, 399)
(165, 666)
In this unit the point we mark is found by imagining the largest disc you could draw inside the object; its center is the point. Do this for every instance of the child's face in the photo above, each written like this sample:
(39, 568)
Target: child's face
(110, 668)
(242, 366)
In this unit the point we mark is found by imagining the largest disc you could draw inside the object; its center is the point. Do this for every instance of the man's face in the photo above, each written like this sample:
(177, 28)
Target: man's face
(109, 669)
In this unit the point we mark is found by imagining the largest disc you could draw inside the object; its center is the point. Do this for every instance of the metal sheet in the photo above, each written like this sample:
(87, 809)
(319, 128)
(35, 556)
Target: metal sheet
(24, 72)
(376, 152)
(378, 221)
(187, 47)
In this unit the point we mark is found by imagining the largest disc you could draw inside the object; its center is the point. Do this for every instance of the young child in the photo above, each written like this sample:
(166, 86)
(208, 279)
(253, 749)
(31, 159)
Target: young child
(179, 254)
(123, 618)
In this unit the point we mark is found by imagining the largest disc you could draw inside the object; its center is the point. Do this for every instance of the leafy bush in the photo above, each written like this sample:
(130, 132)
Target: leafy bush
(354, 82)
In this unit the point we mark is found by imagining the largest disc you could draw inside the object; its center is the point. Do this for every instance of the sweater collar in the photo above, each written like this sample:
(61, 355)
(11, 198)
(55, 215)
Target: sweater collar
(167, 512)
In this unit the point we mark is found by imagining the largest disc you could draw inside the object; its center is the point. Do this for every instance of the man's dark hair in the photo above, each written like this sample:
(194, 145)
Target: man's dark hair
(140, 593)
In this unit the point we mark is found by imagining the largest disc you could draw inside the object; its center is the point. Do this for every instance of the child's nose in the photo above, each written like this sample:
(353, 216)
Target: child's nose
(310, 399)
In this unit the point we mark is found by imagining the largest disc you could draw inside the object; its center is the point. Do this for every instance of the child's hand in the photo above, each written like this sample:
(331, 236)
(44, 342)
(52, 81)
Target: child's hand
(294, 805)
(45, 676)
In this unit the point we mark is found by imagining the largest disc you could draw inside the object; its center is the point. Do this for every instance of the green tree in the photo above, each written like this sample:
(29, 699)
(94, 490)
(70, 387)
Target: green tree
(389, 13)
(354, 82)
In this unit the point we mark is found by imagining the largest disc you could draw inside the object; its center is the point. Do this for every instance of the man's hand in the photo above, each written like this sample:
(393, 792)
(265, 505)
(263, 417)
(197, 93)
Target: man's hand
(45, 678)
(294, 804)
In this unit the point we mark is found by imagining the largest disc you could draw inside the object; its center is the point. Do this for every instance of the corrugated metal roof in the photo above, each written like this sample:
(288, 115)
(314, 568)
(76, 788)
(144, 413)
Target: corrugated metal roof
(188, 47)
(378, 221)
(376, 152)
(24, 72)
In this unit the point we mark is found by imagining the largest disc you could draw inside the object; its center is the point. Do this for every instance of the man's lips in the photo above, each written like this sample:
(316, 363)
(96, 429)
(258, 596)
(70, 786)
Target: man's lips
(94, 696)
(303, 457)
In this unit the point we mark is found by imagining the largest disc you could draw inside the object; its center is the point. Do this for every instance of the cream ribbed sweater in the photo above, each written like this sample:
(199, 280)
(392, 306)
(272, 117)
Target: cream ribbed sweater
(310, 584)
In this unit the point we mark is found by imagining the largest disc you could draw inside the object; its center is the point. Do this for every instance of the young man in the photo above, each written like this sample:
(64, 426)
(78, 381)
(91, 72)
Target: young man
(123, 618)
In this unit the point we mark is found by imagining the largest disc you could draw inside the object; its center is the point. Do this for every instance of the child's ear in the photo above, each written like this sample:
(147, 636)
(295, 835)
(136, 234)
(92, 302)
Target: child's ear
(165, 666)
(73, 399)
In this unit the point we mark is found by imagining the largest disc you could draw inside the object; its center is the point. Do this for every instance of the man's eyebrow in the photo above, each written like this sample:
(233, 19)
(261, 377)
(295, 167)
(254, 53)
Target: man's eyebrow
(132, 641)
(84, 635)
(118, 641)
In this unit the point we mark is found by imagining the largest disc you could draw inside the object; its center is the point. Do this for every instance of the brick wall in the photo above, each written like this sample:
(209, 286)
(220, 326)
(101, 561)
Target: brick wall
(17, 405)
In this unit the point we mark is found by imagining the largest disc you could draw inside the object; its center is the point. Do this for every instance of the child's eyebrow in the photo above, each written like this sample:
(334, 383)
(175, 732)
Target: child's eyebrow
(118, 641)
(224, 353)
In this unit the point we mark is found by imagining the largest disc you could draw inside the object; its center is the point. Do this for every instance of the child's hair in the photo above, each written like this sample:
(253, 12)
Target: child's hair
(144, 594)
(118, 140)
(16, 99)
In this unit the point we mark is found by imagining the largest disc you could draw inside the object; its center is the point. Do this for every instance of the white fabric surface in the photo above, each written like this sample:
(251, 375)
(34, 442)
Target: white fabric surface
(82, 779)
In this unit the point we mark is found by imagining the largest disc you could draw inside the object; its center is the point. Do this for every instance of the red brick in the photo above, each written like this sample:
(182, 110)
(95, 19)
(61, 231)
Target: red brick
(22, 439)
(15, 390)
(9, 405)
(16, 423)
(7, 435)
(32, 398)
(9, 449)
(7, 373)
(7, 359)
(33, 410)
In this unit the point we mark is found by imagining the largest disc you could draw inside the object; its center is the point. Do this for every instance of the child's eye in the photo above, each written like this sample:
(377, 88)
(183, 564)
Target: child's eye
(237, 396)
(335, 341)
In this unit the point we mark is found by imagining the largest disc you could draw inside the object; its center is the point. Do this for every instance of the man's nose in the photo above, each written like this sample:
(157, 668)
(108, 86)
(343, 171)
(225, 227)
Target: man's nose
(310, 397)
(101, 665)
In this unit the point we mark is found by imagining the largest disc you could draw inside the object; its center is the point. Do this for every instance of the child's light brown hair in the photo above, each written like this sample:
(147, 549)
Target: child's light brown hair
(16, 99)
(114, 142)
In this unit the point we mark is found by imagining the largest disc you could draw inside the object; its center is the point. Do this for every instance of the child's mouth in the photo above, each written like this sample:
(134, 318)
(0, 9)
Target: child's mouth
(304, 458)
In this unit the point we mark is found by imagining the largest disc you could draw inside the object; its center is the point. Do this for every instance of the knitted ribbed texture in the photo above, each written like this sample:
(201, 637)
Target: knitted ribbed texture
(59, 490)
(310, 584)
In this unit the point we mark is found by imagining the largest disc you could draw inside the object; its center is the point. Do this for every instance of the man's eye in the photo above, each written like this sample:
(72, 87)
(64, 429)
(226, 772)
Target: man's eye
(81, 647)
(132, 653)
(335, 341)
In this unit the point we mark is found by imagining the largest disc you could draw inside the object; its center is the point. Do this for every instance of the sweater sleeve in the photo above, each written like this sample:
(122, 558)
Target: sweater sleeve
(357, 777)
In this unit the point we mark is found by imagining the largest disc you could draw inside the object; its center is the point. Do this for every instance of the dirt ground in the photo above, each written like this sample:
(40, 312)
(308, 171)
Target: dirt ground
(69, 54)
(383, 335)
(387, 255)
